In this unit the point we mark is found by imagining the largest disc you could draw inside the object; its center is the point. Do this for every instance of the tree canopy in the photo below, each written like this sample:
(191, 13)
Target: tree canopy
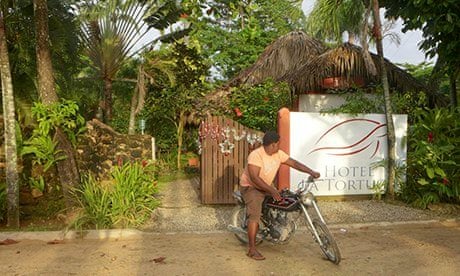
(438, 20)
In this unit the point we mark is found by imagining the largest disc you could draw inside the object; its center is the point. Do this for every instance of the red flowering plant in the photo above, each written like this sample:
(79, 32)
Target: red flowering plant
(433, 157)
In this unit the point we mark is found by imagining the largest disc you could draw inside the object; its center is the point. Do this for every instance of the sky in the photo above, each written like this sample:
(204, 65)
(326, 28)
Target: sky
(406, 52)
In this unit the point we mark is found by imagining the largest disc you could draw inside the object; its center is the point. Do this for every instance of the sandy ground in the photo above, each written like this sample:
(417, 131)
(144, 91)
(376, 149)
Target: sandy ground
(409, 249)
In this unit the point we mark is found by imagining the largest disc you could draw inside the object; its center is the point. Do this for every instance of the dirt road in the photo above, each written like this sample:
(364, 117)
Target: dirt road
(416, 249)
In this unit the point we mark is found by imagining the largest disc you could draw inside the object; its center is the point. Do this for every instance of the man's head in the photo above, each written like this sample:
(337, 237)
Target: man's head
(271, 142)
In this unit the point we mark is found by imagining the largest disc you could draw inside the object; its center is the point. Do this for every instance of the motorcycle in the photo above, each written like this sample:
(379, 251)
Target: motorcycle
(279, 219)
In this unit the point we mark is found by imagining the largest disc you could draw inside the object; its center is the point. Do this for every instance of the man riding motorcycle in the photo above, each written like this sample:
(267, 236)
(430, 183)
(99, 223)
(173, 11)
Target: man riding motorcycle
(255, 183)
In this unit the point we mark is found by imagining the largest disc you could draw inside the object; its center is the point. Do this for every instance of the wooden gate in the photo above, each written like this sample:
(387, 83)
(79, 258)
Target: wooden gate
(225, 145)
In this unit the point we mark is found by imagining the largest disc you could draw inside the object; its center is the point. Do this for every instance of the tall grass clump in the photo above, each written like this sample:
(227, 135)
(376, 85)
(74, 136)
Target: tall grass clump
(125, 201)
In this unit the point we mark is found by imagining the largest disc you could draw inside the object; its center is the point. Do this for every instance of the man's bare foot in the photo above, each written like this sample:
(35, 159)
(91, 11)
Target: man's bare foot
(255, 255)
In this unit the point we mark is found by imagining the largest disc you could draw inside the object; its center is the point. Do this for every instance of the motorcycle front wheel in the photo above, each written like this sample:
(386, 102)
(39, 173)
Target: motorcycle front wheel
(239, 220)
(329, 247)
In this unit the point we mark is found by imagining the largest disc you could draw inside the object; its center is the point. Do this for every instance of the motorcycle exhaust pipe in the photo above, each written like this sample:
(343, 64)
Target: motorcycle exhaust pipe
(236, 230)
(239, 230)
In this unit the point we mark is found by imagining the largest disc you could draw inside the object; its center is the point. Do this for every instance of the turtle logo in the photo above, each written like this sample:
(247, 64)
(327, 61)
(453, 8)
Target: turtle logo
(370, 140)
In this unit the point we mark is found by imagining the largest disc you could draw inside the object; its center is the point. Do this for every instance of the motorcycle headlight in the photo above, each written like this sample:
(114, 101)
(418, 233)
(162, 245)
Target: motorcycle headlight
(307, 199)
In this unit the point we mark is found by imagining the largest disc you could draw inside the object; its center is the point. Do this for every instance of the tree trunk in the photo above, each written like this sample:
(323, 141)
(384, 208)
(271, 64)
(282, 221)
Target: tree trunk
(46, 89)
(11, 158)
(180, 134)
(67, 168)
(368, 62)
(138, 100)
(132, 113)
(388, 110)
(107, 107)
(434, 82)
(453, 89)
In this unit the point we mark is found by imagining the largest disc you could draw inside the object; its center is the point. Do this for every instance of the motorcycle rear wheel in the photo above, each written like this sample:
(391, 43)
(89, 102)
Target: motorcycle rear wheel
(239, 220)
(329, 247)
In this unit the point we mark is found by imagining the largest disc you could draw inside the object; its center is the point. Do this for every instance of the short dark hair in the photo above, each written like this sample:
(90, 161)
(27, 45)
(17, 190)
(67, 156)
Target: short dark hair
(270, 137)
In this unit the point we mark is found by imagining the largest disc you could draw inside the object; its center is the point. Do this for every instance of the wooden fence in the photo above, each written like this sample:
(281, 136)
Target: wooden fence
(225, 145)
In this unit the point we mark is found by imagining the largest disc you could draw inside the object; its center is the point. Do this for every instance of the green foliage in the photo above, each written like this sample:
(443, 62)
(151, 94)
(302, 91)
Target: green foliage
(433, 158)
(329, 19)
(20, 30)
(249, 26)
(423, 71)
(380, 187)
(127, 201)
(259, 105)
(359, 102)
(166, 106)
(38, 184)
(439, 22)
(44, 151)
(49, 117)
(62, 115)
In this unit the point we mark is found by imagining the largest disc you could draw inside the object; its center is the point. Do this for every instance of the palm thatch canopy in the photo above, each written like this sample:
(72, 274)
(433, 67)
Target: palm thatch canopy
(284, 55)
(347, 62)
(304, 63)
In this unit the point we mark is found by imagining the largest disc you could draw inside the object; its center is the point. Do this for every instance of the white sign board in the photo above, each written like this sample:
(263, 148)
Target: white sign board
(343, 149)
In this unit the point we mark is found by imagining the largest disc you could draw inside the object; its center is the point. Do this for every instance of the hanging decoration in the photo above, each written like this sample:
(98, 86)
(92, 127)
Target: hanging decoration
(253, 138)
(225, 136)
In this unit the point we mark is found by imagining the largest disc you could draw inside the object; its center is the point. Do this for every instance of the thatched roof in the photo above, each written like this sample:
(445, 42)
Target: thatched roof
(304, 62)
(346, 61)
(284, 55)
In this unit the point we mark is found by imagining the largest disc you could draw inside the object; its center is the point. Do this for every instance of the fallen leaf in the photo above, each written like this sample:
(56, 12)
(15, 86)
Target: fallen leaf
(8, 242)
(56, 242)
(158, 260)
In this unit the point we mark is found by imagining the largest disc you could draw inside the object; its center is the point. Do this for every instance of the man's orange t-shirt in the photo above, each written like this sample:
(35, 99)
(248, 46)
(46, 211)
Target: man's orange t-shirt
(268, 164)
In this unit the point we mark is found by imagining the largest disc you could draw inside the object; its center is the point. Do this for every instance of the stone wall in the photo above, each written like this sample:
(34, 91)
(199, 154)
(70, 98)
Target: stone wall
(101, 148)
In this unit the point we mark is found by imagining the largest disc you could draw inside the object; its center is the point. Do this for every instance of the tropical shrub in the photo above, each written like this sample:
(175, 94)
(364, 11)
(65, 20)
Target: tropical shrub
(49, 117)
(257, 106)
(359, 102)
(433, 158)
(40, 146)
(125, 201)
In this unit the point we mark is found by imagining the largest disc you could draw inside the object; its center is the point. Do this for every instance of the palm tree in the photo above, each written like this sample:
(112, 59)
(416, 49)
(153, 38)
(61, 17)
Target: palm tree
(112, 29)
(147, 71)
(10, 131)
(67, 167)
(331, 18)
(386, 90)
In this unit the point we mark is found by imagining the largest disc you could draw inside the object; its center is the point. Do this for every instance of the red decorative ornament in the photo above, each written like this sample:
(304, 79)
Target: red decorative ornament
(238, 112)
(445, 181)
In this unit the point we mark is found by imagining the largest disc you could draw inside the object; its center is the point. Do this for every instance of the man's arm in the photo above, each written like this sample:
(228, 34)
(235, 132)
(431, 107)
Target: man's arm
(301, 167)
(260, 184)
